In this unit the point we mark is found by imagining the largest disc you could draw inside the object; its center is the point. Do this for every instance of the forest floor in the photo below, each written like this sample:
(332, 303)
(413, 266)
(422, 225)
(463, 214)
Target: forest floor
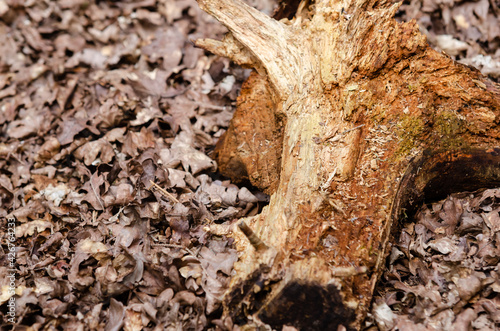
(109, 116)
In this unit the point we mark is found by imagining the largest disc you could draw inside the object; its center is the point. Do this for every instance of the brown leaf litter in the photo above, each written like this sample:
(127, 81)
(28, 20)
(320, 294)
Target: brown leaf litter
(443, 273)
(99, 99)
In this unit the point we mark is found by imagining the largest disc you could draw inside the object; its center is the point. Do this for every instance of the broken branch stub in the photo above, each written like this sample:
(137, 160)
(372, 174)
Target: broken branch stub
(256, 40)
(363, 105)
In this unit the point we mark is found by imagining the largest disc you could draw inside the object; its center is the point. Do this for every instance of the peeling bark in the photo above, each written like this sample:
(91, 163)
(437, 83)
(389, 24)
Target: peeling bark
(368, 120)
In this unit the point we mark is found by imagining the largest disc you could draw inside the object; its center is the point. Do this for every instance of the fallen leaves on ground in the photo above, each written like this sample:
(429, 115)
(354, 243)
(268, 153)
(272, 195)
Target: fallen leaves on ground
(444, 271)
(468, 31)
(108, 114)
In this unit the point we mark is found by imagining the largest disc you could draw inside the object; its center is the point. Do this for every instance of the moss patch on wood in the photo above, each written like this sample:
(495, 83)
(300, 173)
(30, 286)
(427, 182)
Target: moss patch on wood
(449, 128)
(409, 131)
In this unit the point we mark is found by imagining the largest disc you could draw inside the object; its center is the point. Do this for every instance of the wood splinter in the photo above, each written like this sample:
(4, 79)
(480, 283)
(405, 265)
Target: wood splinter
(256, 242)
(163, 191)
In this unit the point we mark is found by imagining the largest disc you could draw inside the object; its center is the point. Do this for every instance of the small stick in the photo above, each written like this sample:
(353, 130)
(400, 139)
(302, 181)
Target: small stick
(96, 195)
(176, 246)
(256, 242)
(211, 106)
(163, 191)
(349, 271)
(336, 136)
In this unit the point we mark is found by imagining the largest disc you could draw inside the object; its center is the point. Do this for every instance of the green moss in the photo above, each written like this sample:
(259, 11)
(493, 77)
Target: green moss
(449, 127)
(410, 130)
(446, 133)
(447, 123)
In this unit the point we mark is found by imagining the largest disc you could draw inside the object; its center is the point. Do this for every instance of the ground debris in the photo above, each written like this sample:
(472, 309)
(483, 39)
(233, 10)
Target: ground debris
(108, 113)
(444, 271)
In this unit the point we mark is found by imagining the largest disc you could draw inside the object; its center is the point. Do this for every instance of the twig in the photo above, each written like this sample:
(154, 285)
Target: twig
(96, 195)
(348, 271)
(177, 246)
(211, 106)
(164, 192)
(256, 242)
(336, 137)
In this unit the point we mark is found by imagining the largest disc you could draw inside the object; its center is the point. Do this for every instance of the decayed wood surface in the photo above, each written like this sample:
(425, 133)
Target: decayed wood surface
(250, 150)
(370, 120)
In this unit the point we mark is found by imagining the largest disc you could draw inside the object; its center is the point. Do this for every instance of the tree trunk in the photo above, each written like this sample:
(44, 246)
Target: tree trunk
(352, 120)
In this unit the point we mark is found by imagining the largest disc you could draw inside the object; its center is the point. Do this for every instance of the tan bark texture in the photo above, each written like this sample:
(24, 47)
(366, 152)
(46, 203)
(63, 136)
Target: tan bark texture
(352, 121)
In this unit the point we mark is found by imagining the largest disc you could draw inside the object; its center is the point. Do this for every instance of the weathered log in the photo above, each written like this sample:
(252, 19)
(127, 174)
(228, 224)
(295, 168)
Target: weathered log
(373, 122)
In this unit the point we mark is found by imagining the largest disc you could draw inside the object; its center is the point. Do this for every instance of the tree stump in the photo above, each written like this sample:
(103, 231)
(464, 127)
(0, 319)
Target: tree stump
(355, 120)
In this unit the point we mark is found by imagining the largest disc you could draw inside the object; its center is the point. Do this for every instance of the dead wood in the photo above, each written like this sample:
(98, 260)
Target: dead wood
(369, 121)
